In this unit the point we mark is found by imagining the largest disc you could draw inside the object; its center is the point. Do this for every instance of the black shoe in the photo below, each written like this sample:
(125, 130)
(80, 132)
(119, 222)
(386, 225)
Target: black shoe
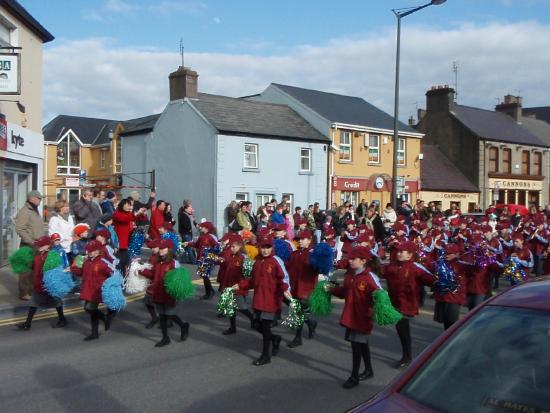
(184, 332)
(261, 361)
(24, 326)
(220, 315)
(367, 374)
(60, 323)
(351, 383)
(152, 323)
(295, 343)
(402, 363)
(164, 342)
(229, 331)
(108, 320)
(93, 336)
(276, 341)
(312, 325)
(207, 296)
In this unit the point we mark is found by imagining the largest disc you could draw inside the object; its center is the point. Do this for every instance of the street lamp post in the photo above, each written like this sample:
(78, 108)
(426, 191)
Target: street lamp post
(400, 13)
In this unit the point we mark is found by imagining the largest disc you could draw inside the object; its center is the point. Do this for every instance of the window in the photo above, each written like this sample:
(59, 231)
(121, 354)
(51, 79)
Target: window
(525, 163)
(345, 146)
(305, 160)
(407, 198)
(349, 196)
(507, 161)
(241, 196)
(68, 156)
(493, 159)
(251, 155)
(537, 163)
(374, 148)
(6, 30)
(102, 157)
(118, 155)
(401, 152)
(261, 199)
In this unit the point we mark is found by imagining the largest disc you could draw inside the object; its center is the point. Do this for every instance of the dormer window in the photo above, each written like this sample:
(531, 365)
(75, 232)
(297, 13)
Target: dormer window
(68, 156)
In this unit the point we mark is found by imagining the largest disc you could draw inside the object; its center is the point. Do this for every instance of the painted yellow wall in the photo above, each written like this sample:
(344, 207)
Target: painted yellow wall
(446, 198)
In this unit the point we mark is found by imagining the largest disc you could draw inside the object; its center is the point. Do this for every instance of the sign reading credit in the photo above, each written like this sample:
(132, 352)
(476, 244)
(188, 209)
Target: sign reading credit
(349, 184)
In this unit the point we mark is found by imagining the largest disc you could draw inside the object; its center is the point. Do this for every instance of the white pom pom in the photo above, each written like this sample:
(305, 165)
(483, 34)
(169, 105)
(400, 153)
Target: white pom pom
(134, 282)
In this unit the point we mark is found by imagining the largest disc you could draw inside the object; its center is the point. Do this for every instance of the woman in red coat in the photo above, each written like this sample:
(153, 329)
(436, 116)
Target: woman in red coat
(41, 298)
(359, 284)
(124, 221)
(95, 270)
(164, 302)
(267, 281)
(157, 219)
(231, 273)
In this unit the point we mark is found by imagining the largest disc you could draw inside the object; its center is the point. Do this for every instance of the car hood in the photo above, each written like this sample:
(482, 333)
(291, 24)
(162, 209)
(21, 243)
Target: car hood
(394, 403)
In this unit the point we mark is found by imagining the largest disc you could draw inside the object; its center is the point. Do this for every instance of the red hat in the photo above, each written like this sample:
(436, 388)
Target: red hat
(398, 226)
(486, 228)
(538, 220)
(484, 219)
(477, 239)
(363, 227)
(235, 239)
(421, 226)
(474, 226)
(94, 246)
(226, 236)
(208, 225)
(435, 232)
(278, 227)
(462, 221)
(165, 243)
(517, 236)
(55, 237)
(330, 232)
(42, 241)
(81, 228)
(263, 232)
(503, 225)
(452, 249)
(408, 246)
(362, 238)
(401, 218)
(104, 232)
(167, 226)
(304, 234)
(437, 221)
(152, 243)
(360, 252)
(350, 222)
(265, 241)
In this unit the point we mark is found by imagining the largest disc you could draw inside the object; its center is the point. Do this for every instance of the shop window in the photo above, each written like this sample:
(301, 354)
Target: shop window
(68, 156)
(534, 197)
(493, 159)
(507, 161)
(118, 155)
(251, 156)
(349, 196)
(345, 146)
(305, 160)
(374, 148)
(102, 158)
(525, 163)
(522, 199)
(401, 152)
(537, 163)
(405, 197)
(511, 198)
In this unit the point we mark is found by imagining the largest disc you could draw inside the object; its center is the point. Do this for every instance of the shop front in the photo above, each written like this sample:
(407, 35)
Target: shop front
(466, 201)
(516, 191)
(21, 158)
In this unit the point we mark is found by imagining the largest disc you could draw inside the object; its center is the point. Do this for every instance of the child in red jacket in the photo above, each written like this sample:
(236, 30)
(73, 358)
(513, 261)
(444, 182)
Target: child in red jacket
(359, 284)
(40, 298)
(148, 299)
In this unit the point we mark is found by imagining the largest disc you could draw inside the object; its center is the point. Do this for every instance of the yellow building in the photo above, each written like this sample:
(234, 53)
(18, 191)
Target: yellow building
(360, 158)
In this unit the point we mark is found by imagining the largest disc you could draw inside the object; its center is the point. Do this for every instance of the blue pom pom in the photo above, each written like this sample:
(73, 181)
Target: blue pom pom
(174, 238)
(282, 249)
(57, 282)
(111, 292)
(210, 257)
(136, 242)
(446, 281)
(322, 258)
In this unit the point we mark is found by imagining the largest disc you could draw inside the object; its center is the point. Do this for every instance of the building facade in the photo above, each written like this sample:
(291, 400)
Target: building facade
(21, 140)
(361, 153)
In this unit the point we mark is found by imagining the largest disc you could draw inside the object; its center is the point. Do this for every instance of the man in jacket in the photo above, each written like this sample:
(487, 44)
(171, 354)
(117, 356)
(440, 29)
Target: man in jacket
(29, 226)
(186, 223)
(86, 210)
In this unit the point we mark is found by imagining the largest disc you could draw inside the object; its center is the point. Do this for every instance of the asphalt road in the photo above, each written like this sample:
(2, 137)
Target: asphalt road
(49, 370)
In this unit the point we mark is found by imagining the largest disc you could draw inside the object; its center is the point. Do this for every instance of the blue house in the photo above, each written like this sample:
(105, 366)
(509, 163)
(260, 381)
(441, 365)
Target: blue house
(214, 149)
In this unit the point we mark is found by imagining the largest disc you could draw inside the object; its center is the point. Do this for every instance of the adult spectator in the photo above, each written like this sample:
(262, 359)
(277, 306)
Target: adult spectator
(362, 209)
(186, 223)
(319, 217)
(157, 219)
(98, 197)
(388, 217)
(406, 210)
(168, 214)
(29, 227)
(108, 204)
(141, 219)
(231, 212)
(339, 220)
(277, 216)
(124, 220)
(62, 223)
(373, 220)
(86, 210)
(333, 209)
(243, 216)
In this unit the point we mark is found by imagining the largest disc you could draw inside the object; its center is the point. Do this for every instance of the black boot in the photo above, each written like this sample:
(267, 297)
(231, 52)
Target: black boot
(27, 324)
(353, 380)
(164, 328)
(276, 342)
(404, 333)
(311, 326)
(297, 339)
(208, 290)
(61, 320)
(233, 326)
(94, 321)
(247, 314)
(108, 318)
(365, 352)
(154, 316)
(184, 327)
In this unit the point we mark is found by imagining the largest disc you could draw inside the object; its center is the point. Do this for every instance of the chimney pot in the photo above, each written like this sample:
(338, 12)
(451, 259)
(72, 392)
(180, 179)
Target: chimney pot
(183, 83)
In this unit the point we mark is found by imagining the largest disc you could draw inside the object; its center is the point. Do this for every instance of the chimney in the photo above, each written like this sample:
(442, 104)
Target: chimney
(183, 83)
(420, 113)
(412, 122)
(511, 106)
(440, 99)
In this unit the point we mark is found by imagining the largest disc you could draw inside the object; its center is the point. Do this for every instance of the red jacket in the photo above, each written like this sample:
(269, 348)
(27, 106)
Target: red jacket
(479, 281)
(303, 276)
(231, 272)
(404, 282)
(124, 223)
(153, 259)
(358, 307)
(157, 220)
(348, 242)
(393, 243)
(38, 273)
(204, 241)
(94, 272)
(267, 281)
(461, 271)
(157, 274)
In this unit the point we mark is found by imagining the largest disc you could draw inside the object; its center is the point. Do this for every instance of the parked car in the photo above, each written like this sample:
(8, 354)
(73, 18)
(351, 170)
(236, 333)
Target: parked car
(494, 360)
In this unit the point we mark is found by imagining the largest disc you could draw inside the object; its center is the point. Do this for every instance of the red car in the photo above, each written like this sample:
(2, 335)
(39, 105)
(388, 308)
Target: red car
(497, 359)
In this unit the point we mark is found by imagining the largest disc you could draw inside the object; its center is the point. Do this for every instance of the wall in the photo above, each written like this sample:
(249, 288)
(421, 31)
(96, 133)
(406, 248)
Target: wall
(278, 172)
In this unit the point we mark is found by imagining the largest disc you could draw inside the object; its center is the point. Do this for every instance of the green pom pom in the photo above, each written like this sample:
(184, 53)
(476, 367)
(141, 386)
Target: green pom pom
(53, 260)
(178, 284)
(79, 261)
(227, 305)
(384, 312)
(21, 260)
(295, 318)
(247, 267)
(319, 300)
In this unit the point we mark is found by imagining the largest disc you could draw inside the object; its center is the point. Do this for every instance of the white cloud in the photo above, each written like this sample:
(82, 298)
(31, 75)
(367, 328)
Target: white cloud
(119, 6)
(93, 78)
(217, 20)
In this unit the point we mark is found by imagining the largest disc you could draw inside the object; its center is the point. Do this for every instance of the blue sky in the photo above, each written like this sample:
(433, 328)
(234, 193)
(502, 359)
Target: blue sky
(111, 58)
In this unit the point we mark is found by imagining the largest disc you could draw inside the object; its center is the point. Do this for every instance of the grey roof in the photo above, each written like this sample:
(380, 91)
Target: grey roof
(240, 116)
(541, 112)
(24, 16)
(141, 125)
(90, 131)
(539, 128)
(438, 173)
(343, 109)
(492, 125)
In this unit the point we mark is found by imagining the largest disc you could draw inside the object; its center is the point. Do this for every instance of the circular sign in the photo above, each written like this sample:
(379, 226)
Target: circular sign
(379, 183)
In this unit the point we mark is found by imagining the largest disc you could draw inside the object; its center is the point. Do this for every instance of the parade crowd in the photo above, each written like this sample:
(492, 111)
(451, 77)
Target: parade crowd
(273, 257)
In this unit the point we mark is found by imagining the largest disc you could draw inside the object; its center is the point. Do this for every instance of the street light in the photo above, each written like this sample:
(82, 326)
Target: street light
(400, 13)
(20, 106)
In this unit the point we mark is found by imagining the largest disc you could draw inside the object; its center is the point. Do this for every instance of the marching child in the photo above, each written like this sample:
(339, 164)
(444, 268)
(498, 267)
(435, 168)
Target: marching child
(81, 232)
(148, 299)
(57, 247)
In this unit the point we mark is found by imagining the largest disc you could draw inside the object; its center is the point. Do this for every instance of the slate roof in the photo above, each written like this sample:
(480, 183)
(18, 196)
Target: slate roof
(90, 131)
(539, 128)
(492, 125)
(438, 173)
(137, 126)
(343, 109)
(541, 112)
(15, 8)
(245, 117)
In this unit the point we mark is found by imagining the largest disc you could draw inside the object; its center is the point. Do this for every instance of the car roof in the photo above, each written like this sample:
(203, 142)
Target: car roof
(534, 294)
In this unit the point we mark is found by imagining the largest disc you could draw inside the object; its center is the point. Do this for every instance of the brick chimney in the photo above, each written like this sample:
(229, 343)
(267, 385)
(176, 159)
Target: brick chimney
(183, 83)
(440, 99)
(511, 106)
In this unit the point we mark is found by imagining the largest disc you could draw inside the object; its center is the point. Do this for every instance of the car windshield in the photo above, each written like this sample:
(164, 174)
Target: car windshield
(497, 362)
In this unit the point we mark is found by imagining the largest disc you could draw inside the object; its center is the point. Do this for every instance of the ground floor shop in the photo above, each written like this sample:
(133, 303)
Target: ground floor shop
(516, 191)
(465, 201)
